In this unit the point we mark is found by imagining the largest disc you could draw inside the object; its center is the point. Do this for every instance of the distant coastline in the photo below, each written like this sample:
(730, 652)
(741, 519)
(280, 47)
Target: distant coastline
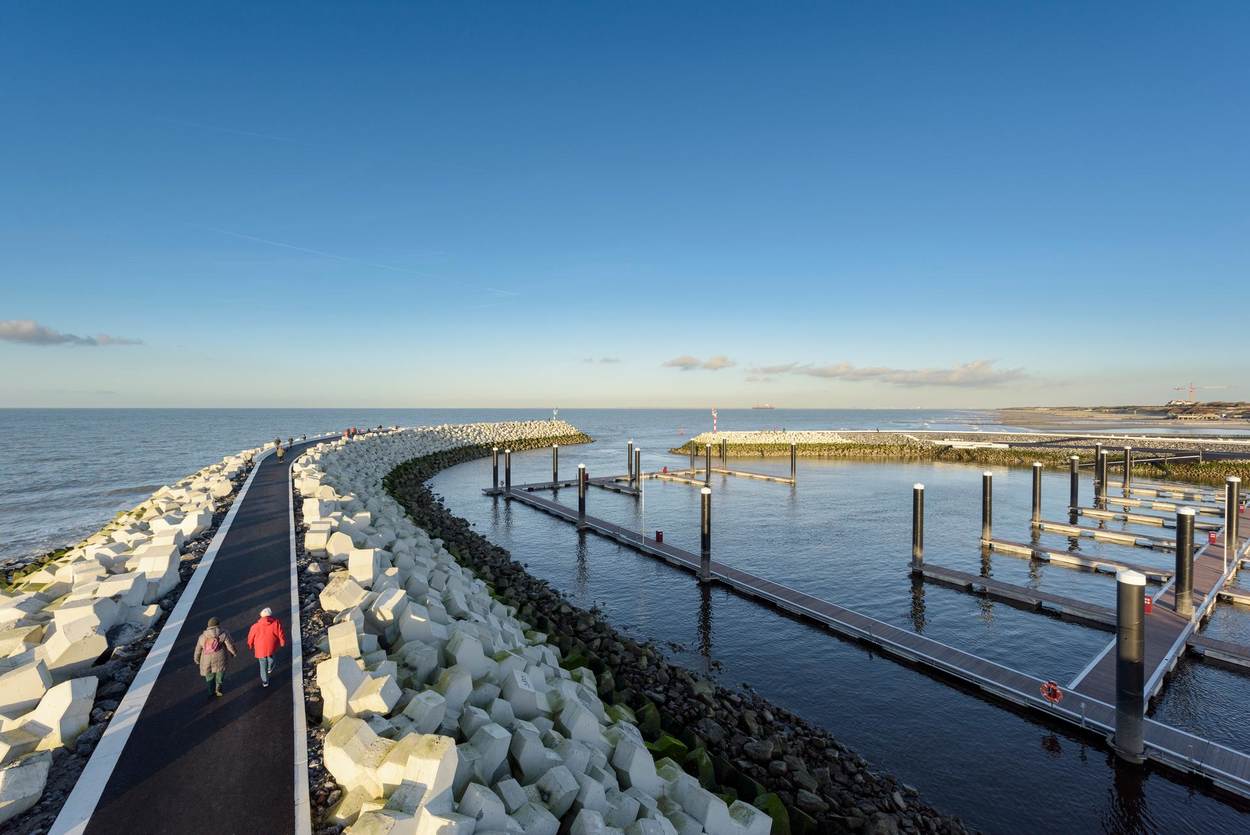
(1231, 415)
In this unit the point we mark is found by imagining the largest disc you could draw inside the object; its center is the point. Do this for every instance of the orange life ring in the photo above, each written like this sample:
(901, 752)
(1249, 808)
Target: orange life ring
(1051, 692)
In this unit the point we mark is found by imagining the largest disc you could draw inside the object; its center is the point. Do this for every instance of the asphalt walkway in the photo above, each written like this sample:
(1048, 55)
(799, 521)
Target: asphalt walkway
(219, 766)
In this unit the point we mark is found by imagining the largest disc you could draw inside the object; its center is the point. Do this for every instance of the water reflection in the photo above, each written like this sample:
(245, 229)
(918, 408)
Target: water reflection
(583, 565)
(705, 626)
(1127, 810)
(917, 603)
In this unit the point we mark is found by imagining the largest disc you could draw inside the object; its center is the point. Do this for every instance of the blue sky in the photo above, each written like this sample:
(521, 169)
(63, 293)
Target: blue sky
(833, 205)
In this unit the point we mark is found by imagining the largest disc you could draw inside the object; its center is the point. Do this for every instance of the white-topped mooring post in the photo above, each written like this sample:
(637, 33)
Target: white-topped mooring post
(1100, 476)
(507, 472)
(987, 507)
(629, 460)
(1128, 468)
(917, 525)
(724, 452)
(555, 463)
(494, 468)
(1074, 482)
(581, 493)
(1037, 493)
(1183, 592)
(637, 468)
(705, 534)
(707, 464)
(794, 461)
(692, 450)
(1130, 665)
(1232, 504)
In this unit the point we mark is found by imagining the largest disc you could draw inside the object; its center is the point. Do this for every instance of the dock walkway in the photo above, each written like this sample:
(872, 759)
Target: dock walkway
(1167, 745)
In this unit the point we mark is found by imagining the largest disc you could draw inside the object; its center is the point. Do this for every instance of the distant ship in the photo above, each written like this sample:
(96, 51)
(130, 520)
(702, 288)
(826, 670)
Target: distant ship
(764, 406)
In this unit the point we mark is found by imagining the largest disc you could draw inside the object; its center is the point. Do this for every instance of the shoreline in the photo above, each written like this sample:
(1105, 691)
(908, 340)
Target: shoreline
(732, 742)
(987, 448)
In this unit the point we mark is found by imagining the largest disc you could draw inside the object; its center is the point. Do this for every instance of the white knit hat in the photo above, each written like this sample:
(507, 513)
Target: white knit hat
(266, 612)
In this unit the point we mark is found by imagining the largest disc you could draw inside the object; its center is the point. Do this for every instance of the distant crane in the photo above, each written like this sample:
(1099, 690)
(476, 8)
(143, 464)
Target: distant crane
(1192, 390)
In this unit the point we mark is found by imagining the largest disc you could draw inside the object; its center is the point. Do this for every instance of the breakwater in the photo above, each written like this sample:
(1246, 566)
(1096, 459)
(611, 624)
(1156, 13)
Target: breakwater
(77, 623)
(995, 449)
(732, 742)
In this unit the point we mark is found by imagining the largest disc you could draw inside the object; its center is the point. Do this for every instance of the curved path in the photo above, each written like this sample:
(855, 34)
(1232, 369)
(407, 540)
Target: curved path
(199, 764)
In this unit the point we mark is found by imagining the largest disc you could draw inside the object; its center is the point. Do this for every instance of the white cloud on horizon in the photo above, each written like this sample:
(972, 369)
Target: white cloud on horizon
(688, 363)
(975, 374)
(30, 332)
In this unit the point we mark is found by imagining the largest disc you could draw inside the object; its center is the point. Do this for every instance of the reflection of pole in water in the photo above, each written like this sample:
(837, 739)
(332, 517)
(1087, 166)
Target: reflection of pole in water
(705, 625)
(583, 563)
(1050, 744)
(917, 603)
(987, 563)
(1127, 811)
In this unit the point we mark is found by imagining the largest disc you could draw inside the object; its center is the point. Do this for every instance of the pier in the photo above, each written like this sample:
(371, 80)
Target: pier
(1090, 702)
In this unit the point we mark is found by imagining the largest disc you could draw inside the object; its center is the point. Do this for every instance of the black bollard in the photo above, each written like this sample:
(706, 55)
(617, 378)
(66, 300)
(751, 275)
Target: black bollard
(917, 525)
(507, 471)
(794, 461)
(555, 463)
(705, 535)
(1128, 468)
(1037, 492)
(629, 460)
(707, 464)
(494, 468)
(1232, 503)
(692, 456)
(987, 507)
(637, 468)
(581, 492)
(1130, 671)
(724, 453)
(1183, 593)
(1074, 481)
(1100, 477)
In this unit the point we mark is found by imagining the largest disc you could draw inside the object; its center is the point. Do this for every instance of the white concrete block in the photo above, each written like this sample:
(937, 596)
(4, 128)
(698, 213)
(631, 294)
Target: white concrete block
(443, 823)
(353, 753)
(64, 712)
(536, 820)
(558, 789)
(426, 710)
(376, 694)
(338, 546)
(337, 679)
(491, 743)
(465, 650)
(342, 592)
(511, 794)
(749, 820)
(455, 684)
(343, 639)
(68, 656)
(432, 763)
(21, 785)
(635, 768)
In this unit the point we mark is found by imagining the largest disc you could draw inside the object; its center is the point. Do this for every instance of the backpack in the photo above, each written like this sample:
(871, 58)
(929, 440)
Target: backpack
(213, 644)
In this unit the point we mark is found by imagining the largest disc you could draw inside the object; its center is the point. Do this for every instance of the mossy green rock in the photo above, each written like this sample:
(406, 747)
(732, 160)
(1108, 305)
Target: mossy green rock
(649, 721)
(699, 763)
(771, 805)
(668, 746)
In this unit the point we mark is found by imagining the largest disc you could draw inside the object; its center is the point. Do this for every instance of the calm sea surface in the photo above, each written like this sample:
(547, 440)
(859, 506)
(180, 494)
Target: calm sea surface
(842, 533)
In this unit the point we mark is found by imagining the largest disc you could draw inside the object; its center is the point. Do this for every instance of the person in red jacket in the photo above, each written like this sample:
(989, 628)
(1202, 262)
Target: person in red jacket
(264, 638)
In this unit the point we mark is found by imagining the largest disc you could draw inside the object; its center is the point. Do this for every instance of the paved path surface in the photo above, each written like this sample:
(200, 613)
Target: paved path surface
(223, 765)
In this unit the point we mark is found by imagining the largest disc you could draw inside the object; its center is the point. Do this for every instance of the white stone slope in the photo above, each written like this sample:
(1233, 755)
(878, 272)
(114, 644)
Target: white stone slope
(446, 713)
(56, 624)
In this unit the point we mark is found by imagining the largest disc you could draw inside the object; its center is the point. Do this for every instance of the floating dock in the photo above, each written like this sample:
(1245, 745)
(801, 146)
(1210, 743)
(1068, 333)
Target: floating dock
(1073, 559)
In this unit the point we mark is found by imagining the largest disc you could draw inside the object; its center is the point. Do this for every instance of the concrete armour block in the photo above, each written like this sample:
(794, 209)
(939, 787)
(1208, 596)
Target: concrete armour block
(591, 794)
(484, 806)
(417, 624)
(622, 808)
(443, 823)
(342, 592)
(19, 639)
(126, 590)
(588, 822)
(635, 768)
(21, 785)
(536, 820)
(17, 742)
(465, 650)
(455, 684)
(338, 547)
(558, 789)
(750, 821)
(376, 694)
(364, 565)
(427, 710)
(343, 639)
(76, 618)
(64, 712)
(68, 657)
(491, 743)
(709, 810)
(577, 722)
(337, 679)
(511, 794)
(432, 763)
(522, 693)
(353, 753)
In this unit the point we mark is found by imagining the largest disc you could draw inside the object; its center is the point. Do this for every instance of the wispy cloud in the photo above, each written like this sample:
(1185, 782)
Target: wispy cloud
(688, 363)
(224, 129)
(975, 374)
(603, 360)
(30, 332)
